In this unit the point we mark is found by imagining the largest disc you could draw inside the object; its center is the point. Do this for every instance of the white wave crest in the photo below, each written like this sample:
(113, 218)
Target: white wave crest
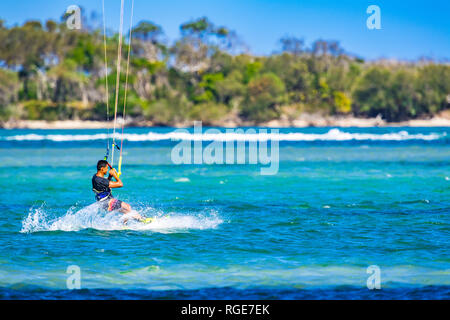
(93, 217)
(331, 135)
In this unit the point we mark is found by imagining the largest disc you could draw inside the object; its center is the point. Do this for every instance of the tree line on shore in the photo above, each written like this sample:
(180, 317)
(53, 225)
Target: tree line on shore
(48, 72)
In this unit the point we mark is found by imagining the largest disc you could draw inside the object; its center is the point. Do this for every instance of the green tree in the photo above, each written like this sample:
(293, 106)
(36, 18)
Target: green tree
(264, 95)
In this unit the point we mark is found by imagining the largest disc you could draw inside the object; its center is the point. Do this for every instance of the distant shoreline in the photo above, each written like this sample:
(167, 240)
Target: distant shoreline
(304, 121)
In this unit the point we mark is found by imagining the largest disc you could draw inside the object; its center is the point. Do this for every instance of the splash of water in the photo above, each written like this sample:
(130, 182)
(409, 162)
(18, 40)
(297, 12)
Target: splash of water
(93, 217)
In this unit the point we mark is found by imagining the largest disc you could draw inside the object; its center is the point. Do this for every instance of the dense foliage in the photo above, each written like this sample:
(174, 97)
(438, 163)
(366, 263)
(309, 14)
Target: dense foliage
(52, 73)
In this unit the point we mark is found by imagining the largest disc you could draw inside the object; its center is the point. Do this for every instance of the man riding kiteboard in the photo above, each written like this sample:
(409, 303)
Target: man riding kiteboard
(102, 189)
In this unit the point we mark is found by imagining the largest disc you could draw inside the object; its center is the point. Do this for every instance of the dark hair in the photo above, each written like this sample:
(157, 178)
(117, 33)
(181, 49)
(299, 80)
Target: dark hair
(101, 164)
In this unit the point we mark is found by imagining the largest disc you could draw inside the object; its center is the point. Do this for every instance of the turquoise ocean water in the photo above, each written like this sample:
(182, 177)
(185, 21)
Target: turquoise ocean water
(342, 200)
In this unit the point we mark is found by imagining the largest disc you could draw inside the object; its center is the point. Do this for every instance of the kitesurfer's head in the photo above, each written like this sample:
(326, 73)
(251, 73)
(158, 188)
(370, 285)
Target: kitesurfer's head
(102, 166)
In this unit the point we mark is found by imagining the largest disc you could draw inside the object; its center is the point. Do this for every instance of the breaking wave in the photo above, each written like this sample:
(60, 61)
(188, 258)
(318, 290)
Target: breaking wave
(331, 135)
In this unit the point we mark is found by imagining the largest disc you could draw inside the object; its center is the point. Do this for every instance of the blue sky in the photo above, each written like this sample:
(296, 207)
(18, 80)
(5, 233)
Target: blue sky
(410, 29)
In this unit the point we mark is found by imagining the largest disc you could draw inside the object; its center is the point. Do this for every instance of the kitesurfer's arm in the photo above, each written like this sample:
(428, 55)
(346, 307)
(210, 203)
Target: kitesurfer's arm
(115, 184)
